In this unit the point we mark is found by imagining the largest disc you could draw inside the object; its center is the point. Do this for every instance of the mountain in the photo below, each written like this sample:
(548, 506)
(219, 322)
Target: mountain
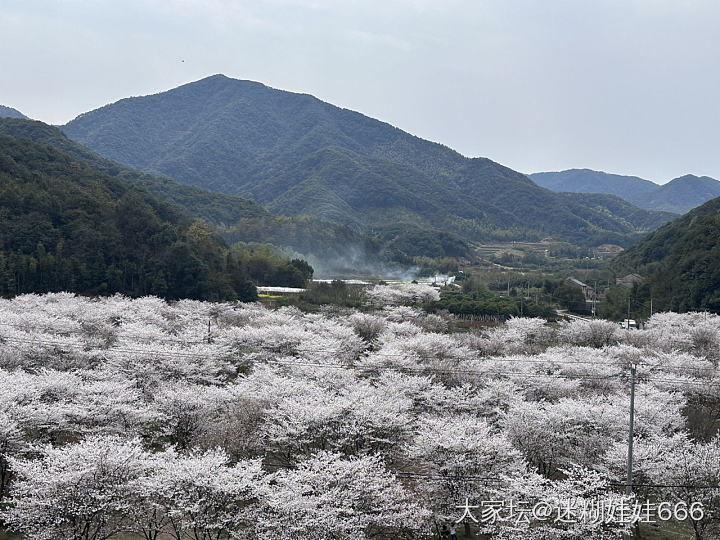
(68, 227)
(677, 196)
(685, 193)
(298, 155)
(215, 208)
(237, 219)
(681, 261)
(620, 209)
(9, 112)
(630, 188)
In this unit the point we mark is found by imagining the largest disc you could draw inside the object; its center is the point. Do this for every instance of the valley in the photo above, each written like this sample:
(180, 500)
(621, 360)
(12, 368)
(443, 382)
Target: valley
(230, 311)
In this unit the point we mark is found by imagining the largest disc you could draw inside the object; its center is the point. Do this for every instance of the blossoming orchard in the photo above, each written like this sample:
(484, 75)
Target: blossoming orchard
(142, 419)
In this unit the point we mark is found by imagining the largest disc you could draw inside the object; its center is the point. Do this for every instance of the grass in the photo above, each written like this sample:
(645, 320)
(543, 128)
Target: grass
(669, 530)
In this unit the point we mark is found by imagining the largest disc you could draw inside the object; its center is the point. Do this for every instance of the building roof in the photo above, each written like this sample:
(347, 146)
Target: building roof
(629, 280)
(577, 282)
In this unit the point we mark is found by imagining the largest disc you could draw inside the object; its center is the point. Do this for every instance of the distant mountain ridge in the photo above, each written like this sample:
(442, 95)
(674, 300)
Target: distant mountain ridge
(9, 112)
(684, 193)
(298, 155)
(678, 196)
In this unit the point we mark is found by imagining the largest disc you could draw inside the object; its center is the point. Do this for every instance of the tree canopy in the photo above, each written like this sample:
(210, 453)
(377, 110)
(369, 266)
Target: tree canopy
(681, 261)
(68, 227)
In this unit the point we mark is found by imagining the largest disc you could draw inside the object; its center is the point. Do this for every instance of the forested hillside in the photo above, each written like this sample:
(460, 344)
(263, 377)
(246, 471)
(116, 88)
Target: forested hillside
(677, 196)
(621, 210)
(298, 155)
(215, 208)
(235, 218)
(681, 261)
(67, 227)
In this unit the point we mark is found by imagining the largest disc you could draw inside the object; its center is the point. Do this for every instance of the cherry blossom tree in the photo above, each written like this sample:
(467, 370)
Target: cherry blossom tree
(402, 293)
(11, 442)
(581, 505)
(519, 335)
(386, 409)
(461, 455)
(367, 326)
(330, 496)
(183, 410)
(78, 491)
(196, 496)
(359, 419)
(690, 473)
(591, 333)
(554, 435)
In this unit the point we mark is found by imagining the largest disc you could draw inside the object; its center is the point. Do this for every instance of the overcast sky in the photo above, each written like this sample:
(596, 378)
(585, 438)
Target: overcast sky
(625, 86)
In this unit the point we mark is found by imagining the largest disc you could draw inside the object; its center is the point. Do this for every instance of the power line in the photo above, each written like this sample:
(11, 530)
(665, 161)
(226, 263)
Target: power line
(498, 478)
(440, 370)
(60, 332)
(660, 367)
(681, 381)
(418, 369)
(440, 356)
(203, 341)
(666, 486)
(415, 474)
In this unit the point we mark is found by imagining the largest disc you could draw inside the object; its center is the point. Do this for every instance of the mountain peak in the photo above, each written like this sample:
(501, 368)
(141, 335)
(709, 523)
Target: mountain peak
(298, 155)
(677, 196)
(630, 188)
(9, 112)
(219, 80)
(691, 178)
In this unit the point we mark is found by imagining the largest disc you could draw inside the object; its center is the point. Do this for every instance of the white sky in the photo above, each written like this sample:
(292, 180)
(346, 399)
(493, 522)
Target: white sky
(625, 86)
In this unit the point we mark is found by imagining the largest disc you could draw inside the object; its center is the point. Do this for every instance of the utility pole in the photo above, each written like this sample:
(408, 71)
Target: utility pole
(209, 340)
(631, 433)
(627, 322)
(594, 302)
(628, 485)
